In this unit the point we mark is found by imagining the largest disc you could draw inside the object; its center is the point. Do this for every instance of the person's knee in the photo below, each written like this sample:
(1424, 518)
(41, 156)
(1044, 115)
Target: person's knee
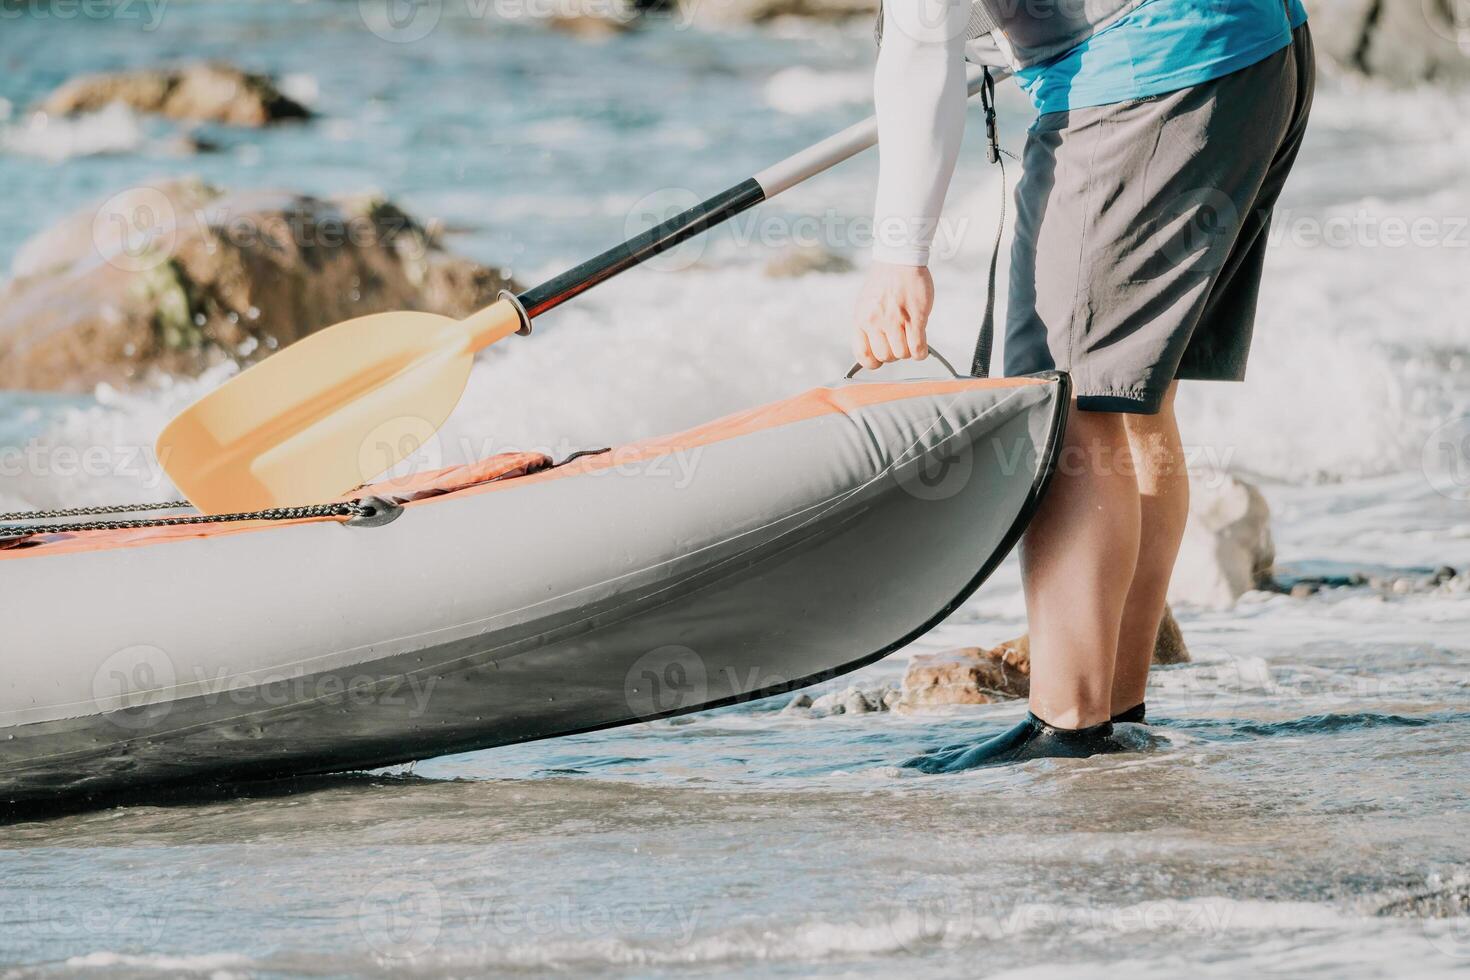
(1096, 424)
(1097, 447)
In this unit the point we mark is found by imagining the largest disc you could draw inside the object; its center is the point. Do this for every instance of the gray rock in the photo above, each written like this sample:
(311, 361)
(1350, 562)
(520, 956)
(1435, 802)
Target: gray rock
(1227, 548)
(1403, 42)
(799, 705)
(1450, 901)
(828, 704)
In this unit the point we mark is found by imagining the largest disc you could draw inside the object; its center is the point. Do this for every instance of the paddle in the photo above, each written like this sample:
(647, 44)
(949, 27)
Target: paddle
(342, 405)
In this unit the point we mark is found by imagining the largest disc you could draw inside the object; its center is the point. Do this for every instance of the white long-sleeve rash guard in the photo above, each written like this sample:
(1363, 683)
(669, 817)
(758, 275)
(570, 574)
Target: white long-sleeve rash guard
(919, 94)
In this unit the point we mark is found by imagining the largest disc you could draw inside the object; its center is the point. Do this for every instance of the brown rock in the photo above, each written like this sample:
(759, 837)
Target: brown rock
(969, 675)
(180, 276)
(1170, 648)
(205, 92)
(761, 11)
(801, 260)
(973, 675)
(592, 27)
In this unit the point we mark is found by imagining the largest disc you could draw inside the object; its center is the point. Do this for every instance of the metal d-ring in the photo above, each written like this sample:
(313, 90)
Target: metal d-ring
(373, 511)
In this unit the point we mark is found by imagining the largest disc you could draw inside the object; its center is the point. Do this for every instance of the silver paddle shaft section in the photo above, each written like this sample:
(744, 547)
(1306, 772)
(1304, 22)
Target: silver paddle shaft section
(842, 146)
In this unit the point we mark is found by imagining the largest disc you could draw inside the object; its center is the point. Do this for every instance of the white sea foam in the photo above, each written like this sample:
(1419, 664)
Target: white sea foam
(111, 130)
(218, 966)
(801, 90)
(301, 86)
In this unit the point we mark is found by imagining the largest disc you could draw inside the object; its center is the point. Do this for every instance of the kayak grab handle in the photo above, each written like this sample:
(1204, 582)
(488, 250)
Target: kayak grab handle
(852, 372)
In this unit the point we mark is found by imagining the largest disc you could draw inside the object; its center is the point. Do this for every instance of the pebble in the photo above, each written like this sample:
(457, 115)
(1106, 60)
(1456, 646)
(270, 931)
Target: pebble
(850, 701)
(801, 704)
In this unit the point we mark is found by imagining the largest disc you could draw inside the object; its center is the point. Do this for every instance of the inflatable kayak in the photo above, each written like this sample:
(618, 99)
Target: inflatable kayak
(515, 599)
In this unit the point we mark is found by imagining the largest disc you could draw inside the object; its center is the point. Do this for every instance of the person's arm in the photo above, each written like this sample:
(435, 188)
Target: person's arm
(919, 92)
(919, 95)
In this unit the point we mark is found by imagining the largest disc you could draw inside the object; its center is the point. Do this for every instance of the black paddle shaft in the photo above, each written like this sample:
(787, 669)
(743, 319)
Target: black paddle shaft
(642, 247)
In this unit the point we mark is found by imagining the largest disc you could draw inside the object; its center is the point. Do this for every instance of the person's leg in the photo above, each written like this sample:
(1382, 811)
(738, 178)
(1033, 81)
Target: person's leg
(1163, 491)
(1077, 562)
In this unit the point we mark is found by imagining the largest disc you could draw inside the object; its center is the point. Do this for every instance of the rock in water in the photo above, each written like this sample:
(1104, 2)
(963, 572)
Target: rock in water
(1227, 548)
(973, 675)
(1170, 648)
(592, 27)
(801, 260)
(205, 92)
(969, 675)
(1399, 41)
(177, 277)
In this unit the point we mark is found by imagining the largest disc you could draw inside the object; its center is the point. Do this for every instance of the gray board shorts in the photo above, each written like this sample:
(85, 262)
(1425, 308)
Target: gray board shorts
(1141, 232)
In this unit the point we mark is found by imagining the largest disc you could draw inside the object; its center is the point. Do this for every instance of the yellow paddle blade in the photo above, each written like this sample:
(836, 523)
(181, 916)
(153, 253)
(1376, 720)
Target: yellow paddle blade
(328, 413)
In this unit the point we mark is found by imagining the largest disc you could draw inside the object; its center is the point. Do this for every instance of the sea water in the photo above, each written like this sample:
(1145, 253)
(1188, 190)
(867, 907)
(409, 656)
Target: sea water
(1303, 808)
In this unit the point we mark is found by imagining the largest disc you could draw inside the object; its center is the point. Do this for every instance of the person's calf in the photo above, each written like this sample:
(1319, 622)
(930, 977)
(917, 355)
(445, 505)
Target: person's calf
(1077, 559)
(1163, 489)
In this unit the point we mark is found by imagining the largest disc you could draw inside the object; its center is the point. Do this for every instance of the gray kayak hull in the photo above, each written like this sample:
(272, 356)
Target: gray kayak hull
(797, 546)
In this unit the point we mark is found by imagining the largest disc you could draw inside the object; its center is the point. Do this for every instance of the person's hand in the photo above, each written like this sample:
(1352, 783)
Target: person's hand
(892, 314)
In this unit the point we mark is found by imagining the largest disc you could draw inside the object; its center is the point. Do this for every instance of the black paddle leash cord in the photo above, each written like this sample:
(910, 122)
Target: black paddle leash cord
(980, 364)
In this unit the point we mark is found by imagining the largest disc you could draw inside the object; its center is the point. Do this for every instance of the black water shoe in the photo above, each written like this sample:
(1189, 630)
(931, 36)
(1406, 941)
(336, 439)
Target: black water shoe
(1031, 739)
(1133, 716)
